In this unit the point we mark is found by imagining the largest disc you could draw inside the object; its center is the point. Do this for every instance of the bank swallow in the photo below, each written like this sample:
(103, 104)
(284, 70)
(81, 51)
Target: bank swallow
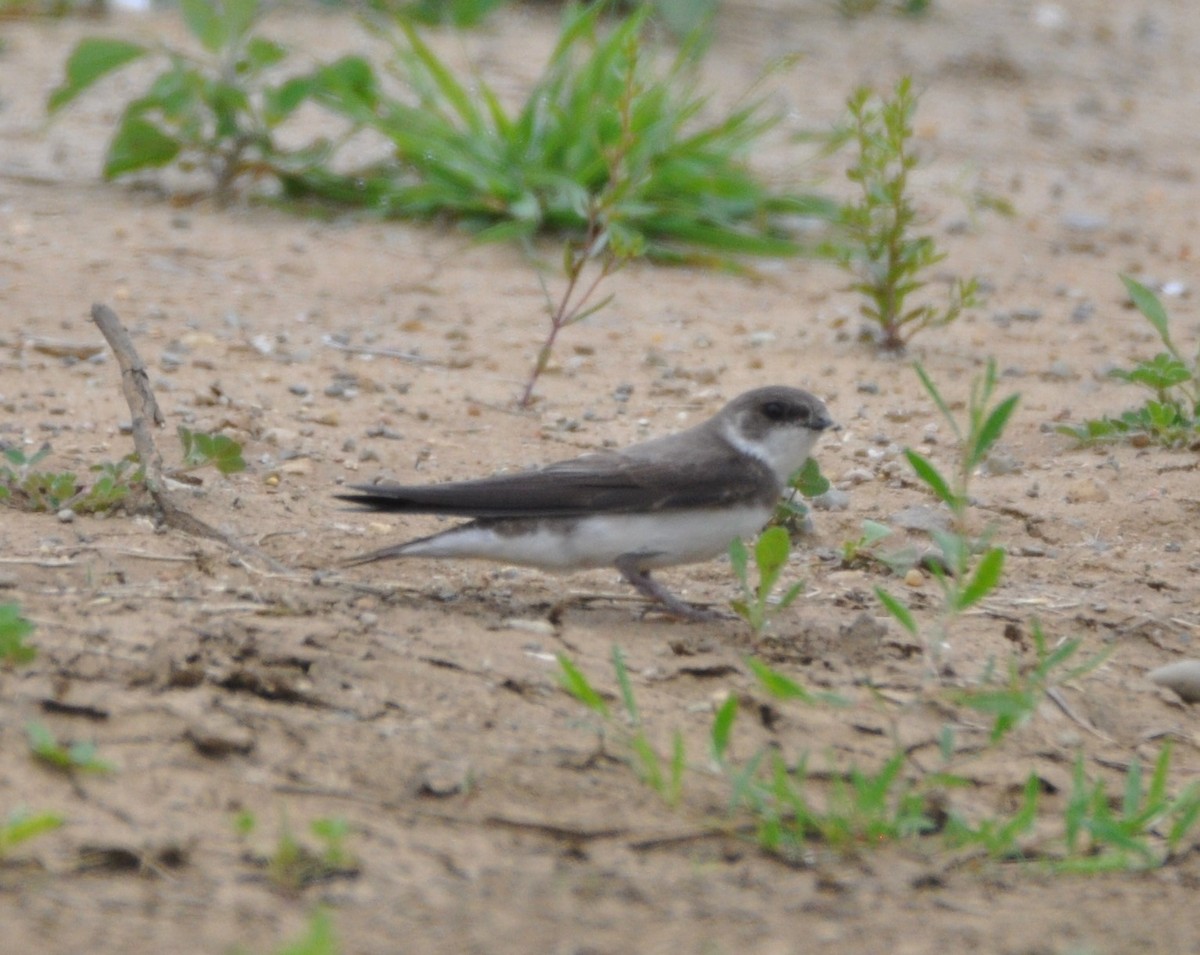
(678, 499)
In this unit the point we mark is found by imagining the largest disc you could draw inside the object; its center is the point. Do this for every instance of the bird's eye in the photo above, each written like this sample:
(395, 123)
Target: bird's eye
(774, 411)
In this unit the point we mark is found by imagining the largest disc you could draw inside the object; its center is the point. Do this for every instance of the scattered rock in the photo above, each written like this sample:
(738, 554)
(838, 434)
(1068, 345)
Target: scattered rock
(444, 777)
(920, 517)
(1182, 677)
(832, 500)
(1086, 491)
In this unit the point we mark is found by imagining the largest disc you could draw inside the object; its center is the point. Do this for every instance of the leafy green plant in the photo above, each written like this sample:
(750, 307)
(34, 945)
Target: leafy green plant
(318, 937)
(963, 580)
(682, 186)
(14, 628)
(292, 865)
(1101, 836)
(1013, 701)
(21, 826)
(23, 486)
(1172, 416)
(880, 247)
(758, 603)
(999, 836)
(808, 482)
(66, 758)
(201, 450)
(216, 112)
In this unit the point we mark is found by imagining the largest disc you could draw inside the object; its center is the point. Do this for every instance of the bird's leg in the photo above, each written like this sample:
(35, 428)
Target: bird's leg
(642, 582)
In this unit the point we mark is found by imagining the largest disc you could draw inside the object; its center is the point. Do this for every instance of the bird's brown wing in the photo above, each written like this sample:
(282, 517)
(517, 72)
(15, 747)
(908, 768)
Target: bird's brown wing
(600, 483)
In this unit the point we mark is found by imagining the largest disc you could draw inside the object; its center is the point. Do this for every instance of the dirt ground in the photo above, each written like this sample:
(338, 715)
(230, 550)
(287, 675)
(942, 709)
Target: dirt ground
(419, 701)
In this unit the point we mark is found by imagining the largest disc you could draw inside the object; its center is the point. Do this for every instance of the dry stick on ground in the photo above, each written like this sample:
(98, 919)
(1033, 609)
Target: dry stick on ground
(145, 414)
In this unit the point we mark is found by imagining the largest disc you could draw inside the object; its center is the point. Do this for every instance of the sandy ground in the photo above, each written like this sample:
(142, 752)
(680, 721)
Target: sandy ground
(423, 708)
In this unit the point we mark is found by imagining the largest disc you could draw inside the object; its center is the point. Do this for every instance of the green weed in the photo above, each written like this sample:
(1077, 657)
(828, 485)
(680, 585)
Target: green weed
(596, 120)
(1172, 416)
(1014, 700)
(293, 865)
(663, 775)
(23, 486)
(963, 579)
(1102, 835)
(215, 113)
(808, 482)
(66, 758)
(21, 826)
(201, 450)
(881, 249)
(14, 628)
(758, 603)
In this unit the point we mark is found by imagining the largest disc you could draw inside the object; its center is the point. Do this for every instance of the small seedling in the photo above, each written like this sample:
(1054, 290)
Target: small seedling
(70, 759)
(25, 487)
(881, 250)
(14, 628)
(758, 603)
(962, 584)
(1013, 703)
(1103, 837)
(293, 865)
(1172, 417)
(664, 776)
(808, 482)
(201, 450)
(1000, 837)
(21, 826)
(318, 938)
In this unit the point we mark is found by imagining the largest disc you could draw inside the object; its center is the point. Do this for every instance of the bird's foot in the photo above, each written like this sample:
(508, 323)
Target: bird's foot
(650, 588)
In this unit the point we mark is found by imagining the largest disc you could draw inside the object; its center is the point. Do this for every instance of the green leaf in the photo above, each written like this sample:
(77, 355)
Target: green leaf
(739, 557)
(262, 53)
(984, 580)
(809, 480)
(90, 60)
(873, 533)
(722, 726)
(238, 17)
(897, 610)
(777, 684)
(13, 630)
(626, 687)
(205, 23)
(771, 552)
(932, 477)
(139, 144)
(992, 428)
(1148, 304)
(575, 683)
(21, 827)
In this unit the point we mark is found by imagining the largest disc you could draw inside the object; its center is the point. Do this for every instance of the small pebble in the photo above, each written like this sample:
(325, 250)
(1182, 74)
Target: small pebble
(66, 515)
(914, 578)
(1182, 677)
(1086, 491)
(1084, 222)
(832, 500)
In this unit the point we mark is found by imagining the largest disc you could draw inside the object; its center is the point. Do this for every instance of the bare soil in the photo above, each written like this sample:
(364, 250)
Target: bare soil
(419, 701)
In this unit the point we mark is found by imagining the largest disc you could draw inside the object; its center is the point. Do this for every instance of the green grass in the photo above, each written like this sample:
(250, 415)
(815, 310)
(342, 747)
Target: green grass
(14, 628)
(599, 119)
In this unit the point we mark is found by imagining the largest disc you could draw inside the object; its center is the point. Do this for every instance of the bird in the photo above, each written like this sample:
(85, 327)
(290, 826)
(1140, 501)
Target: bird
(677, 499)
